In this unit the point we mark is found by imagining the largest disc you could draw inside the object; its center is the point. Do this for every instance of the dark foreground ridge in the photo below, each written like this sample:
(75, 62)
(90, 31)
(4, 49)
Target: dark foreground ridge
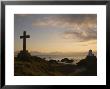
(36, 66)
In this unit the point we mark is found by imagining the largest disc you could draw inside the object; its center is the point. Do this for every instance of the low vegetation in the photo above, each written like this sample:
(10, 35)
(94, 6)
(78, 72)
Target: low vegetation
(36, 66)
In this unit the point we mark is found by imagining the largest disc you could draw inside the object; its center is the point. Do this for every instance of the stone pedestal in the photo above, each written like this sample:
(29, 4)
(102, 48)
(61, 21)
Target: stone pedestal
(24, 55)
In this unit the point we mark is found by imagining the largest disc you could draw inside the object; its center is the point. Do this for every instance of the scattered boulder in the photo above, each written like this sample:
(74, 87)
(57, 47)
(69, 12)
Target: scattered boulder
(53, 61)
(66, 60)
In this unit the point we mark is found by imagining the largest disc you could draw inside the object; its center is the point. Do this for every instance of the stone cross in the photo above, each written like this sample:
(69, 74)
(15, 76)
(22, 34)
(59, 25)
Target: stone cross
(24, 40)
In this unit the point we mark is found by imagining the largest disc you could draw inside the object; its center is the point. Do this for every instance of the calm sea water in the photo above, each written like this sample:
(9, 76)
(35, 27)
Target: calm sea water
(60, 57)
(76, 58)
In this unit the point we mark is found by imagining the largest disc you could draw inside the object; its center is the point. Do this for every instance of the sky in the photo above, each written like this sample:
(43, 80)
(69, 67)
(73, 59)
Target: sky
(56, 32)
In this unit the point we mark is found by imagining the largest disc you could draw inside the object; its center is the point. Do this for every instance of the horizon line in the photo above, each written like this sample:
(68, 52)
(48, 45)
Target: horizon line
(58, 51)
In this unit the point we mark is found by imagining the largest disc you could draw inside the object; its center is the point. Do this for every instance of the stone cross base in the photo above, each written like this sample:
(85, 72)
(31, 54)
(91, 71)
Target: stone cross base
(24, 55)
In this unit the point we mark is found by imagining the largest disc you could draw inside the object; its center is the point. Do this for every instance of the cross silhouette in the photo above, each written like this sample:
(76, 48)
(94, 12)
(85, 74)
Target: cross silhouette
(24, 40)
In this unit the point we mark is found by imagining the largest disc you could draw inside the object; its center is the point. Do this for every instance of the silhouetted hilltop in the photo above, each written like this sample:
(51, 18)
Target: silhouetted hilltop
(90, 63)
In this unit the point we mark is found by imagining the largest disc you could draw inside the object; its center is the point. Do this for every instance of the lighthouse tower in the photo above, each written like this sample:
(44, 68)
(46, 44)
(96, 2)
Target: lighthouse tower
(90, 53)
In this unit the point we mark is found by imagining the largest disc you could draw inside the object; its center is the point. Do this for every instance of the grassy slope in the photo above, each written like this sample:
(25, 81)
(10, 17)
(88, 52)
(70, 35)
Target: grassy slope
(40, 67)
(36, 66)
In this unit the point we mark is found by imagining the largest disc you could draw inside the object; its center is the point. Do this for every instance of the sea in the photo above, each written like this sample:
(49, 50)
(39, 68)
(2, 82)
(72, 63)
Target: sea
(60, 57)
(76, 58)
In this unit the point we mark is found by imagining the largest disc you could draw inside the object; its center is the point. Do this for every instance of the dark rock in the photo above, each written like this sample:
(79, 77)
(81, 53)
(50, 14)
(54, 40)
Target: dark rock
(67, 60)
(53, 61)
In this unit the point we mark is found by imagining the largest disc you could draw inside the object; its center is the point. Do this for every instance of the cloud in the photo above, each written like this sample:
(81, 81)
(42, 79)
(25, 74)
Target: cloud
(80, 27)
(84, 35)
